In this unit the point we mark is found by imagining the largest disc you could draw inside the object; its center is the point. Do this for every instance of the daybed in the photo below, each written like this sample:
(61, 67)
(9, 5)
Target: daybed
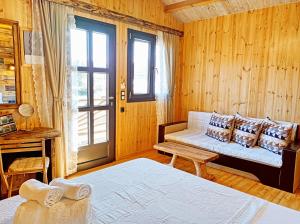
(280, 171)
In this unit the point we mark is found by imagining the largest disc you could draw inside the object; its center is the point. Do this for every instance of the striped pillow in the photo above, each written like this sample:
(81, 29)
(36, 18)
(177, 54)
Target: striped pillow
(275, 137)
(246, 131)
(220, 127)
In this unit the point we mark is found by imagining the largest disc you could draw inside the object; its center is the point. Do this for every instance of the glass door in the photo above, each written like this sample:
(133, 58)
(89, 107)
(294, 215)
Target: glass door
(93, 47)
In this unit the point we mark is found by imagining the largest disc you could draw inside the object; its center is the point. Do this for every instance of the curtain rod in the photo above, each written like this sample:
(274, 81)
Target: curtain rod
(109, 14)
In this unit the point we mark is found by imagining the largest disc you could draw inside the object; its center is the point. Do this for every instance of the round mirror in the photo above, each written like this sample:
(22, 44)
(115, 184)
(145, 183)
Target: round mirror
(26, 110)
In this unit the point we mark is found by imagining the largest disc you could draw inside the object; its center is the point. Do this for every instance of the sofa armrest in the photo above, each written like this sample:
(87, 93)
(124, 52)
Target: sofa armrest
(164, 129)
(290, 167)
(295, 146)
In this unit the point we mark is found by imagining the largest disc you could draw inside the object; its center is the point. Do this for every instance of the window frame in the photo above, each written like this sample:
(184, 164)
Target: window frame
(151, 38)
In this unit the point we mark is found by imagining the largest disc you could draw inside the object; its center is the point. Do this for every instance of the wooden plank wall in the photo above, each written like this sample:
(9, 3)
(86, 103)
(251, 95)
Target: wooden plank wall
(136, 128)
(20, 10)
(247, 63)
(150, 10)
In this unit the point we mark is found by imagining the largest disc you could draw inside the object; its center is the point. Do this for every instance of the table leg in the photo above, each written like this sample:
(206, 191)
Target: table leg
(198, 173)
(201, 171)
(53, 160)
(172, 163)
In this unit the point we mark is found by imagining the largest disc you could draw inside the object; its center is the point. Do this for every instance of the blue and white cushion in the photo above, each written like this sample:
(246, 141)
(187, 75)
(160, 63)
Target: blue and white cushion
(246, 131)
(275, 137)
(220, 127)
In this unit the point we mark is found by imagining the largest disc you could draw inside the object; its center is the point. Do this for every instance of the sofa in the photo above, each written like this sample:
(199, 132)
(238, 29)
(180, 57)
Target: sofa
(279, 171)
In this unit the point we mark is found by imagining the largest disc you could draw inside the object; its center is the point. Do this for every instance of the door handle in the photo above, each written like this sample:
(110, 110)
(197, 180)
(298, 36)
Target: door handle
(111, 100)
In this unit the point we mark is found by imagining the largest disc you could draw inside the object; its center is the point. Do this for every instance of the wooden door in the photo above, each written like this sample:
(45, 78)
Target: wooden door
(94, 53)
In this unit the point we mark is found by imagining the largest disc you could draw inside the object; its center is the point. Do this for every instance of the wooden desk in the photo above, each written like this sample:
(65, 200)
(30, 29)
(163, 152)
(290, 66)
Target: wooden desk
(49, 134)
(46, 133)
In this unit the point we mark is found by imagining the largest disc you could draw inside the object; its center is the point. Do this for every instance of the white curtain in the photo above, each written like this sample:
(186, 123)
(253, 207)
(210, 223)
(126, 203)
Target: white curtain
(43, 94)
(71, 108)
(54, 80)
(167, 48)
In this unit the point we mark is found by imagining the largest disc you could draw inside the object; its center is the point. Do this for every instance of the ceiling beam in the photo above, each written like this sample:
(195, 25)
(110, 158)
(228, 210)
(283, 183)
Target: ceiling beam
(187, 4)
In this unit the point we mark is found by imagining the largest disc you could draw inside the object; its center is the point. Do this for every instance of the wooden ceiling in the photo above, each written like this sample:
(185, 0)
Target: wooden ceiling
(191, 10)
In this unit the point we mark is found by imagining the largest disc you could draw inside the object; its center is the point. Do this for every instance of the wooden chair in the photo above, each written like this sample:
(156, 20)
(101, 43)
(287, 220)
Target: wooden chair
(23, 165)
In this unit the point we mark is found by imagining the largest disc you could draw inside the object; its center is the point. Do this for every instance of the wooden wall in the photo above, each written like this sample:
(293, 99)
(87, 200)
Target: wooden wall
(150, 10)
(136, 128)
(20, 10)
(247, 63)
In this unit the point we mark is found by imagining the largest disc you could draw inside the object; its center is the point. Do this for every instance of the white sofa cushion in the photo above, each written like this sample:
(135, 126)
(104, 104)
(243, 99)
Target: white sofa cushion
(198, 138)
(199, 120)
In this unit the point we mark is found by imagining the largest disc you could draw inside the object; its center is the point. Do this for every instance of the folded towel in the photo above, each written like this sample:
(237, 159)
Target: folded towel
(72, 190)
(42, 193)
(66, 211)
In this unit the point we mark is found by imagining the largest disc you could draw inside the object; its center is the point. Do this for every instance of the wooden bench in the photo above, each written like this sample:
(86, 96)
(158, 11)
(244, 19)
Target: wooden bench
(198, 156)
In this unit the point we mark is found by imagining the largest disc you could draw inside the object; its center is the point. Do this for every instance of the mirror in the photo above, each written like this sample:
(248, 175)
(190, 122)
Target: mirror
(9, 64)
(26, 110)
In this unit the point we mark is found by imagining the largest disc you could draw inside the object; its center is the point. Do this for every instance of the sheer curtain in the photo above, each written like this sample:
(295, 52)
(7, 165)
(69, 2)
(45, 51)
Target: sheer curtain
(54, 80)
(167, 48)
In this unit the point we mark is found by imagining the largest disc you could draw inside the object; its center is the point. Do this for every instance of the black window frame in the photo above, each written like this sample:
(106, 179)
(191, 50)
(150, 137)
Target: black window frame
(151, 38)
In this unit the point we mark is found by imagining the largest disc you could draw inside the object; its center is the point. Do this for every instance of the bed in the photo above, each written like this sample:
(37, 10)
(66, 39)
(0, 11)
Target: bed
(144, 191)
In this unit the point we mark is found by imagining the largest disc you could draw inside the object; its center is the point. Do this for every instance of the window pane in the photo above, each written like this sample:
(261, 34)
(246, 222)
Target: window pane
(100, 89)
(100, 126)
(141, 67)
(83, 128)
(79, 47)
(82, 89)
(99, 50)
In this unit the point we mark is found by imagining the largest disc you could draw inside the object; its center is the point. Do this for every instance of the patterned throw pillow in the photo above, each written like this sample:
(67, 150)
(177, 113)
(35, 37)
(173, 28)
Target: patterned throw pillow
(220, 127)
(246, 131)
(275, 137)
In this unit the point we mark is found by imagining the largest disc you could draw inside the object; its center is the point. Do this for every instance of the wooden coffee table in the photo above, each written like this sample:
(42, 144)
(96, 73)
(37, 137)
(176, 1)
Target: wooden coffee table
(198, 156)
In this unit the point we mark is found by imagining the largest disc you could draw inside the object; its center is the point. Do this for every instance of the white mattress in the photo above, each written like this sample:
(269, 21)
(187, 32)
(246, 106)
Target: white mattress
(199, 139)
(144, 191)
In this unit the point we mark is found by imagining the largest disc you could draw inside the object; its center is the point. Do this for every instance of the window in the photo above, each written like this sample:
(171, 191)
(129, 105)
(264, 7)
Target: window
(141, 61)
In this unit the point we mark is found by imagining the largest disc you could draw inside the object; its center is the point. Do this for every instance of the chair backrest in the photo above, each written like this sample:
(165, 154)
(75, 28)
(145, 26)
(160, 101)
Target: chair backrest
(22, 145)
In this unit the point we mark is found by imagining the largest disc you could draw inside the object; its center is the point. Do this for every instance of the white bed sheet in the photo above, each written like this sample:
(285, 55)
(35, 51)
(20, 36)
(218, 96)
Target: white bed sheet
(144, 191)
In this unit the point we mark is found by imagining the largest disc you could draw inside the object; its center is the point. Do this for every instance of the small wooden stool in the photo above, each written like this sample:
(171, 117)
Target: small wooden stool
(198, 156)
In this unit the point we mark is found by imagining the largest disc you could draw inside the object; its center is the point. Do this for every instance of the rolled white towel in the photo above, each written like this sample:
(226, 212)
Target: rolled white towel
(44, 194)
(72, 190)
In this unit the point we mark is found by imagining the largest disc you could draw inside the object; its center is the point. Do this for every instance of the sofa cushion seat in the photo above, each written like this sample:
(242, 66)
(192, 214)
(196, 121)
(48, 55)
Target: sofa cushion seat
(198, 138)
